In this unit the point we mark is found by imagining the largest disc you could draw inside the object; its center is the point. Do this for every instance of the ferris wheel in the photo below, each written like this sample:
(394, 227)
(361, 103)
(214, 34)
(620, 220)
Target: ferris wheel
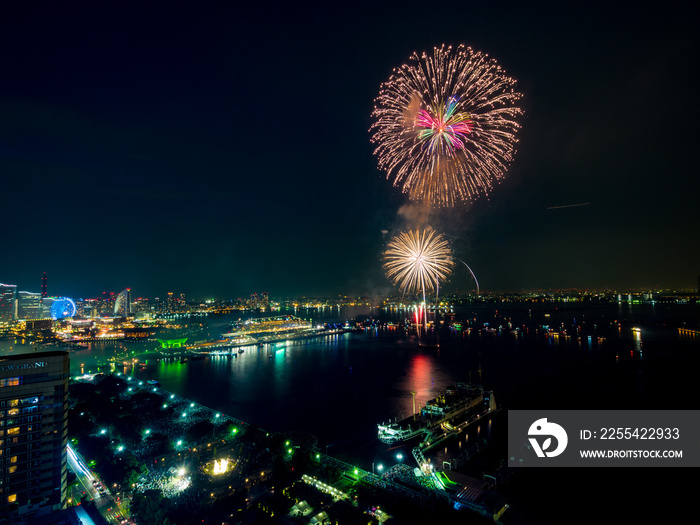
(62, 307)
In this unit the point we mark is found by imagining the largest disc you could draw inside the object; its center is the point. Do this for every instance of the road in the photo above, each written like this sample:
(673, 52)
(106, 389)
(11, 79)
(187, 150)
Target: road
(105, 503)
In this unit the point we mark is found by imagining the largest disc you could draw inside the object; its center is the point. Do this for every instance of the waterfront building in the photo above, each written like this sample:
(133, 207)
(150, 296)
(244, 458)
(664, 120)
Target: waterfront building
(106, 304)
(8, 307)
(122, 306)
(45, 309)
(33, 434)
(28, 305)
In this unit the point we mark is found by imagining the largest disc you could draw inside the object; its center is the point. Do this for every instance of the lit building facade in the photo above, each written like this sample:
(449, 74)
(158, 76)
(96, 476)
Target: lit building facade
(122, 306)
(8, 306)
(28, 305)
(45, 309)
(33, 434)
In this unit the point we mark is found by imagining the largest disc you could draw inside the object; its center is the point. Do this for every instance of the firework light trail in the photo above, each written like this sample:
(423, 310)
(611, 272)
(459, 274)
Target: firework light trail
(445, 125)
(418, 260)
(473, 276)
(568, 206)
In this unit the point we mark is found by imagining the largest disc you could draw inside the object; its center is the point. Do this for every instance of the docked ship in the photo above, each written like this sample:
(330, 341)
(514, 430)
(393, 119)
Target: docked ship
(459, 404)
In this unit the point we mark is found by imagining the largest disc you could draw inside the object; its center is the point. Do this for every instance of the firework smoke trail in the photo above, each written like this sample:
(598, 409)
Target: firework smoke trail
(473, 276)
(417, 260)
(445, 125)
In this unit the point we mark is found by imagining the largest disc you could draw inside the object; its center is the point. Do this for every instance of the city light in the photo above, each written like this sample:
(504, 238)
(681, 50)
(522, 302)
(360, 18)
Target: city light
(220, 467)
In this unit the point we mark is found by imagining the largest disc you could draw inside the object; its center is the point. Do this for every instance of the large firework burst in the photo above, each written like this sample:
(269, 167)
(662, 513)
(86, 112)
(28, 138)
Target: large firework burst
(445, 125)
(417, 261)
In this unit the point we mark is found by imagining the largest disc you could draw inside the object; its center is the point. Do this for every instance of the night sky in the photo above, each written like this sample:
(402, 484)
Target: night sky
(218, 149)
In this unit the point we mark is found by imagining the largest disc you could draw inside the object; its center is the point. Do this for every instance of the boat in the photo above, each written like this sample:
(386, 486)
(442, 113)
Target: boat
(456, 405)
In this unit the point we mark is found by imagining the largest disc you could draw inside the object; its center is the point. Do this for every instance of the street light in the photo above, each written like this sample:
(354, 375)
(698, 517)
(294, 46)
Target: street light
(399, 456)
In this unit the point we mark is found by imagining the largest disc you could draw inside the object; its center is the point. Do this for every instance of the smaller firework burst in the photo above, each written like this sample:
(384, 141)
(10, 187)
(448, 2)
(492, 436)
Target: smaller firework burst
(418, 260)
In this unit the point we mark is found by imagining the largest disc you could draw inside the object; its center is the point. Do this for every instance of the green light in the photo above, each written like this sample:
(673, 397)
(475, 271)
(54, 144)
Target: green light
(290, 450)
(172, 343)
(179, 442)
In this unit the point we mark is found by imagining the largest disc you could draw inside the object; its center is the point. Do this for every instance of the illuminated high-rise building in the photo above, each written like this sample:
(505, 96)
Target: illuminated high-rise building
(8, 298)
(44, 289)
(45, 308)
(106, 304)
(28, 305)
(34, 435)
(170, 303)
(122, 306)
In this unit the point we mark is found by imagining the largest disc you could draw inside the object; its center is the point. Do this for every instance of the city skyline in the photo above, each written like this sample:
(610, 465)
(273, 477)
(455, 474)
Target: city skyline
(226, 150)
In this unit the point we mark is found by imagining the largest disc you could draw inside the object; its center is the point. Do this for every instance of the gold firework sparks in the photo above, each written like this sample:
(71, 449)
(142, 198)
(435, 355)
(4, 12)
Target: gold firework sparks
(418, 260)
(445, 125)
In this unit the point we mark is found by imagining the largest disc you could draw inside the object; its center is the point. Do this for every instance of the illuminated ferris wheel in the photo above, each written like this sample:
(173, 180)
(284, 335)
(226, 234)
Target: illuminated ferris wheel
(62, 307)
